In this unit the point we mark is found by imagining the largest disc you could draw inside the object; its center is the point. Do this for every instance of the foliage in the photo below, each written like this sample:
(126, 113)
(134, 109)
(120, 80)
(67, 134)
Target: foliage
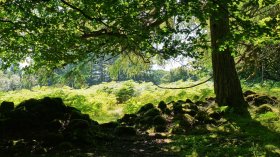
(92, 29)
(125, 93)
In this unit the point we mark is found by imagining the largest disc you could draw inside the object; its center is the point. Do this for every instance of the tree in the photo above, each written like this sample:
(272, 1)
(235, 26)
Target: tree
(226, 83)
(55, 33)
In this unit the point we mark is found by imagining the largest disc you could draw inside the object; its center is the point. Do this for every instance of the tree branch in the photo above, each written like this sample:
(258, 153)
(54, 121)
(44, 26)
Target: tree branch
(6, 21)
(187, 86)
(102, 32)
(84, 14)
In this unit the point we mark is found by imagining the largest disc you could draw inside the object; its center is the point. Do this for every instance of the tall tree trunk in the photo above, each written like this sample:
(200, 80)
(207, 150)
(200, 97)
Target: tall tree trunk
(226, 82)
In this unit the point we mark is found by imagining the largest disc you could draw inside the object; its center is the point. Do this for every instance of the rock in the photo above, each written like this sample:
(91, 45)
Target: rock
(78, 124)
(53, 138)
(201, 103)
(54, 104)
(159, 121)
(250, 98)
(28, 105)
(128, 119)
(210, 99)
(161, 128)
(215, 115)
(177, 108)
(65, 146)
(263, 100)
(181, 102)
(264, 109)
(186, 121)
(145, 121)
(145, 108)
(7, 107)
(55, 125)
(124, 131)
(110, 125)
(152, 112)
(178, 130)
(189, 101)
(248, 92)
(162, 106)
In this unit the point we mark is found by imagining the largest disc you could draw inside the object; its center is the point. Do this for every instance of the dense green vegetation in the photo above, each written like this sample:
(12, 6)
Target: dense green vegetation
(232, 135)
(79, 78)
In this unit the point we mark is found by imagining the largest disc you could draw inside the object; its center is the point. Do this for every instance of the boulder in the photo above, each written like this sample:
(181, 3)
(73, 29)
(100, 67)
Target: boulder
(162, 106)
(260, 100)
(146, 107)
(152, 112)
(78, 124)
(128, 119)
(248, 92)
(159, 121)
(189, 101)
(264, 109)
(177, 108)
(124, 131)
(7, 107)
(160, 128)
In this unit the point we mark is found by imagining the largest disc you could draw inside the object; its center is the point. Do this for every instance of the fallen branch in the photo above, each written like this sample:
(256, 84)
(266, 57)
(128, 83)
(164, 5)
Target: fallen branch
(187, 86)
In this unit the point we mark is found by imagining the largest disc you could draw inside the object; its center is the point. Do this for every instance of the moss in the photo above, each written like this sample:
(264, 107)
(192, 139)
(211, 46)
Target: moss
(7, 107)
(159, 121)
(263, 109)
(145, 108)
(177, 108)
(263, 100)
(162, 106)
(125, 131)
(152, 112)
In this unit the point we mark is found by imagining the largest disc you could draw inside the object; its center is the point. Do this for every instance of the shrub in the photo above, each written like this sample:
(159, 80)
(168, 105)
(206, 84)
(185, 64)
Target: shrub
(125, 93)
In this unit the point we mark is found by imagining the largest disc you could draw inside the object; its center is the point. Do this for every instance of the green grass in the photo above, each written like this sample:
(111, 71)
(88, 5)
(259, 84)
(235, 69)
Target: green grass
(102, 103)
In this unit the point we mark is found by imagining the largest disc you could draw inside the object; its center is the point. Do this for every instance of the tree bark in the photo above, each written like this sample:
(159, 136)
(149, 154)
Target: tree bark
(227, 86)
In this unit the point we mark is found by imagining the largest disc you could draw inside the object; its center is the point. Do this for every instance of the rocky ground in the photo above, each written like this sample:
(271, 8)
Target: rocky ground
(47, 127)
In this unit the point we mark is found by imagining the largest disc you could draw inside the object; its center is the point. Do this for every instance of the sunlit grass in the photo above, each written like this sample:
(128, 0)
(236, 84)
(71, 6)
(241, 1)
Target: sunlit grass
(101, 101)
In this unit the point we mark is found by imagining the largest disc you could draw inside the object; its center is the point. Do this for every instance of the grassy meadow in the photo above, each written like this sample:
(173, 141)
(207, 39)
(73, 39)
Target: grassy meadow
(109, 101)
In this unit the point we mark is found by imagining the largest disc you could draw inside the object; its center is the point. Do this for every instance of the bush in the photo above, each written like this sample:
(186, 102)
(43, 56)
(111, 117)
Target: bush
(125, 93)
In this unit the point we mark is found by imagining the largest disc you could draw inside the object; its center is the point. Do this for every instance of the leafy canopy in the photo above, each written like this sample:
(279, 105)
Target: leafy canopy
(57, 32)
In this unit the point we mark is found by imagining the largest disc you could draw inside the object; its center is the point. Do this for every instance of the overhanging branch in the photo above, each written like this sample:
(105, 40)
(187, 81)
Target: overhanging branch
(6, 21)
(83, 13)
(102, 32)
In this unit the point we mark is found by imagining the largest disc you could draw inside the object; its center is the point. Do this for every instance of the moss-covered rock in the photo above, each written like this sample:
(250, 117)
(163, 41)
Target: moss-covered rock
(53, 138)
(6, 108)
(55, 125)
(177, 108)
(160, 128)
(248, 92)
(260, 100)
(159, 121)
(264, 109)
(64, 146)
(189, 101)
(162, 106)
(152, 112)
(109, 125)
(178, 130)
(145, 108)
(78, 124)
(128, 119)
(124, 131)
